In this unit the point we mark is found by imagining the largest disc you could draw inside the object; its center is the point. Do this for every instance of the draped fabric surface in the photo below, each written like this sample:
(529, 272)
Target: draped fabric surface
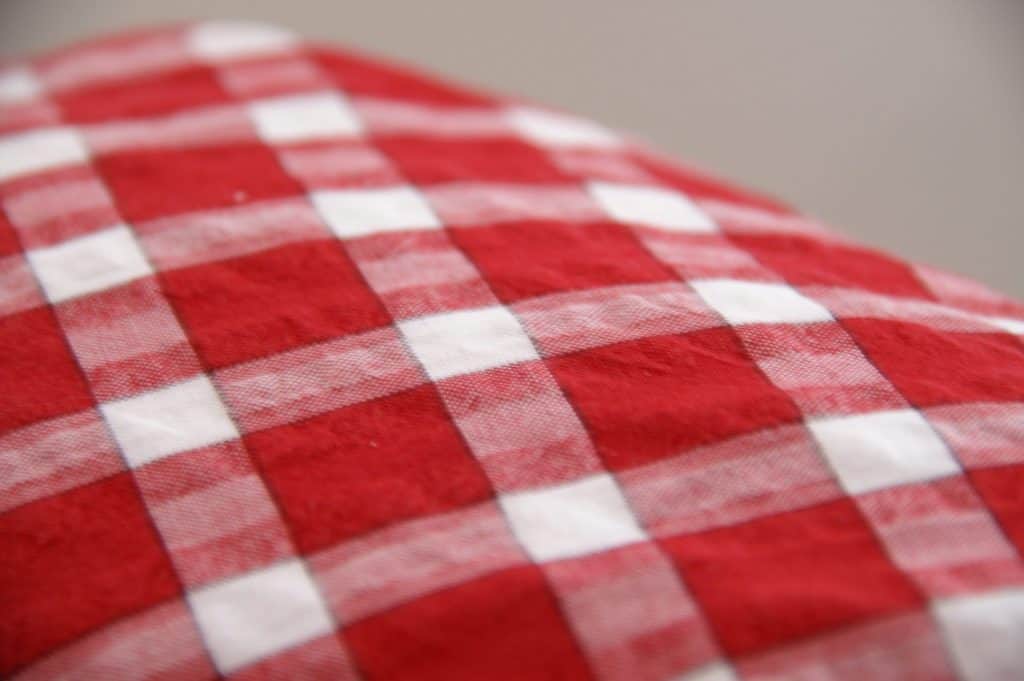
(317, 368)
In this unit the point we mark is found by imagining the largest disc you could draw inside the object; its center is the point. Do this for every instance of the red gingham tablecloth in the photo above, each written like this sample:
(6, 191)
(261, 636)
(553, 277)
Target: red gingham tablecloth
(317, 368)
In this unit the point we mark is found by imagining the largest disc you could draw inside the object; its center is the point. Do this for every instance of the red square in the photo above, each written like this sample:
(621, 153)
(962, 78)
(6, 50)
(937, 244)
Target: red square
(359, 77)
(931, 367)
(657, 397)
(40, 377)
(807, 261)
(158, 182)
(429, 161)
(790, 576)
(505, 626)
(526, 259)
(1002, 489)
(148, 96)
(73, 562)
(257, 305)
(368, 465)
(9, 242)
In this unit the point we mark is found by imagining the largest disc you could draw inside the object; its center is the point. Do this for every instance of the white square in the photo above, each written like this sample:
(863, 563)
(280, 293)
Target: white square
(558, 130)
(882, 449)
(358, 212)
(304, 117)
(748, 302)
(453, 343)
(222, 40)
(89, 263)
(174, 419)
(716, 671)
(18, 85)
(1014, 326)
(985, 633)
(30, 152)
(580, 517)
(253, 616)
(652, 206)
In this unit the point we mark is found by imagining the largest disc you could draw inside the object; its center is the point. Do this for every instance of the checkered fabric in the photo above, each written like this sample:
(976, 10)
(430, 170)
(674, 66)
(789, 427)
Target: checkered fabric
(314, 368)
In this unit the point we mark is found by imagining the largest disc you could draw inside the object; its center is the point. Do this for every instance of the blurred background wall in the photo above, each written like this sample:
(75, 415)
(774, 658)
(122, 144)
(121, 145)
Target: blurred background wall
(901, 122)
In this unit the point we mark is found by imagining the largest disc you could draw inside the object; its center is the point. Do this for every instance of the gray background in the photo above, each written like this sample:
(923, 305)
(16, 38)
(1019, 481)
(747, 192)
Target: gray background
(900, 122)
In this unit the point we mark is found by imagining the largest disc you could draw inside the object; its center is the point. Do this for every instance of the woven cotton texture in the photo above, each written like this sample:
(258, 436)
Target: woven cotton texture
(314, 368)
